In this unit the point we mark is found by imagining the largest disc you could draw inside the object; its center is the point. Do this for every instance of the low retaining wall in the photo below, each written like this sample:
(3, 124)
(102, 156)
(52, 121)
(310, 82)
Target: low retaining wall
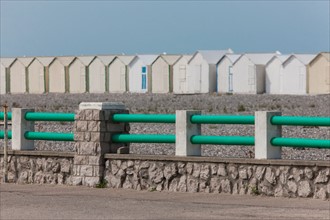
(280, 178)
(38, 167)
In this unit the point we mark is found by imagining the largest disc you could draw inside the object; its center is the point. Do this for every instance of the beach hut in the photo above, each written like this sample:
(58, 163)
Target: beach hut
(162, 73)
(78, 73)
(58, 74)
(18, 77)
(118, 76)
(4, 81)
(97, 74)
(274, 74)
(140, 73)
(36, 77)
(225, 73)
(295, 74)
(180, 75)
(46, 61)
(249, 73)
(202, 70)
(319, 74)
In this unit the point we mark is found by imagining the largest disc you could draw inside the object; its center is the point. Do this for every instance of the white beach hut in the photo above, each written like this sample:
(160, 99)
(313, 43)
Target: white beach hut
(319, 74)
(202, 70)
(18, 77)
(98, 74)
(140, 73)
(46, 61)
(36, 77)
(295, 73)
(58, 74)
(249, 73)
(225, 73)
(162, 73)
(118, 76)
(274, 74)
(4, 81)
(78, 73)
(180, 75)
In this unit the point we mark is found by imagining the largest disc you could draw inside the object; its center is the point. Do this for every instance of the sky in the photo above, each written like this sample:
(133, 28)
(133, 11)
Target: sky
(55, 28)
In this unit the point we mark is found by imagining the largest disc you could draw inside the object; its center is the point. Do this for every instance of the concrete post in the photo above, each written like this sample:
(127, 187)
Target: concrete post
(19, 127)
(264, 132)
(184, 129)
(92, 133)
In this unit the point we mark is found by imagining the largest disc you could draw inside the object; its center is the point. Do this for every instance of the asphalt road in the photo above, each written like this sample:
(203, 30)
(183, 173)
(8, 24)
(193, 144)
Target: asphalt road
(68, 202)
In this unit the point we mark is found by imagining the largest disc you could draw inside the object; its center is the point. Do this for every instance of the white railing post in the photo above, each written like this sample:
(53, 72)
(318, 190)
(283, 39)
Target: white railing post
(184, 129)
(264, 132)
(19, 127)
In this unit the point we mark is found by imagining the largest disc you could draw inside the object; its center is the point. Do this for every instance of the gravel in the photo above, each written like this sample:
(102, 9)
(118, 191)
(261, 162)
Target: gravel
(307, 105)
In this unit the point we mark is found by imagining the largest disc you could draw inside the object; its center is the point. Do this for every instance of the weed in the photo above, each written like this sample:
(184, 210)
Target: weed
(241, 108)
(312, 105)
(213, 127)
(152, 189)
(254, 190)
(225, 110)
(16, 105)
(102, 184)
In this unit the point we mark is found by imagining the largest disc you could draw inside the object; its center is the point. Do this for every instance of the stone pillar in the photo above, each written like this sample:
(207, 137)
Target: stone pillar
(19, 127)
(184, 129)
(92, 133)
(264, 132)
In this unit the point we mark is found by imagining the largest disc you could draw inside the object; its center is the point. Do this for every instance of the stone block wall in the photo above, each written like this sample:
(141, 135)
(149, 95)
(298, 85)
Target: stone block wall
(216, 175)
(38, 167)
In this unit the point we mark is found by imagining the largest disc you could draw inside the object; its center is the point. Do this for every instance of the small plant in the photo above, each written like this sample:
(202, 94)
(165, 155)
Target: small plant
(225, 110)
(16, 105)
(254, 190)
(312, 105)
(102, 184)
(213, 127)
(152, 189)
(241, 108)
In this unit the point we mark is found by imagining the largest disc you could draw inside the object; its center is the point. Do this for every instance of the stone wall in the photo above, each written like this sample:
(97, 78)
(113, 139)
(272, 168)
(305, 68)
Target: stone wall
(27, 167)
(279, 178)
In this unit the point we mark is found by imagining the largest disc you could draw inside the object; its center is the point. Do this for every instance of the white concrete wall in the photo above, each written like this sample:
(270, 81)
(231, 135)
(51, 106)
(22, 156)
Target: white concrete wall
(56, 77)
(274, 73)
(17, 78)
(160, 76)
(77, 77)
(2, 79)
(294, 77)
(135, 77)
(97, 71)
(244, 77)
(223, 75)
(180, 74)
(117, 76)
(36, 77)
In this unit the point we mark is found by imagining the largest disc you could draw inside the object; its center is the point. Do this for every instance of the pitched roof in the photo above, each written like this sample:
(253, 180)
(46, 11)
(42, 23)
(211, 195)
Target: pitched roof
(6, 62)
(147, 59)
(65, 60)
(304, 58)
(106, 59)
(170, 59)
(86, 60)
(260, 58)
(126, 59)
(212, 56)
(25, 60)
(45, 60)
(324, 54)
(281, 57)
(231, 57)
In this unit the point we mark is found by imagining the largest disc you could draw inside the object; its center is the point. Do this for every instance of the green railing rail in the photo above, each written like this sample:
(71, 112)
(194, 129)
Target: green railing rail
(143, 138)
(222, 140)
(300, 121)
(49, 116)
(222, 119)
(300, 142)
(31, 135)
(2, 134)
(144, 118)
(2, 115)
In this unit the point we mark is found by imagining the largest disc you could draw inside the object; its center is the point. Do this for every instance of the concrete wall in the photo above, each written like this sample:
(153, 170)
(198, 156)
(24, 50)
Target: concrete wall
(77, 77)
(97, 73)
(36, 77)
(294, 77)
(117, 76)
(274, 73)
(319, 75)
(160, 76)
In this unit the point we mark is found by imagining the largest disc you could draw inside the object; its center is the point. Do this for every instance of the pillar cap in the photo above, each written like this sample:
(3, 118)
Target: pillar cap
(101, 105)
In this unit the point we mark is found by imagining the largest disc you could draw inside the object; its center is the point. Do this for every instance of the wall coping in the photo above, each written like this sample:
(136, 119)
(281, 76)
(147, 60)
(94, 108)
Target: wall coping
(251, 161)
(39, 153)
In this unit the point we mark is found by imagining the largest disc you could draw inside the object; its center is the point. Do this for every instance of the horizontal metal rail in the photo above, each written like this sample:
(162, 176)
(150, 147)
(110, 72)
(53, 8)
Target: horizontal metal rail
(49, 136)
(49, 116)
(300, 121)
(2, 115)
(222, 119)
(222, 140)
(300, 142)
(2, 134)
(143, 138)
(144, 118)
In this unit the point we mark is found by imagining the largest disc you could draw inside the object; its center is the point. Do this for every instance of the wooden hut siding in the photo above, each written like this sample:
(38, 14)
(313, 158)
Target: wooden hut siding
(97, 79)
(77, 77)
(180, 75)
(36, 77)
(57, 77)
(17, 77)
(117, 76)
(5, 64)
(319, 74)
(3, 79)
(160, 76)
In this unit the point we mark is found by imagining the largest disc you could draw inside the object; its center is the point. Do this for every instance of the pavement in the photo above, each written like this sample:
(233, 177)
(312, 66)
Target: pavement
(72, 202)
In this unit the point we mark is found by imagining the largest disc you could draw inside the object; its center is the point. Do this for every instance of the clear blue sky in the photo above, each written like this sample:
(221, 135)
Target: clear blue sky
(41, 28)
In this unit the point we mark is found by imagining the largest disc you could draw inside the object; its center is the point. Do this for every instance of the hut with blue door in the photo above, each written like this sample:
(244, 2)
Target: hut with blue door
(139, 73)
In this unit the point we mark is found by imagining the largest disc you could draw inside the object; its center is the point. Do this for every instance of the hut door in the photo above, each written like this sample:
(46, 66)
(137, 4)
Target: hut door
(251, 80)
(122, 78)
(165, 79)
(41, 79)
(230, 78)
(301, 79)
(144, 78)
(82, 79)
(198, 82)
(182, 78)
